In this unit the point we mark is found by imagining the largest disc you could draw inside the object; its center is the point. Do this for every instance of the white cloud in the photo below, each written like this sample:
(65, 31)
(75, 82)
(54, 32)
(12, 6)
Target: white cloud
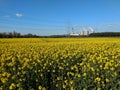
(18, 15)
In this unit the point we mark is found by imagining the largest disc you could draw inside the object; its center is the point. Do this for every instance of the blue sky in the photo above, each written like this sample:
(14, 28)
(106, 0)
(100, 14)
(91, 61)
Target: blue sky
(46, 17)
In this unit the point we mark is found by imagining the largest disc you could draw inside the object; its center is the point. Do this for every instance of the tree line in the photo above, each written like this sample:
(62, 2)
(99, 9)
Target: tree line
(105, 34)
(15, 34)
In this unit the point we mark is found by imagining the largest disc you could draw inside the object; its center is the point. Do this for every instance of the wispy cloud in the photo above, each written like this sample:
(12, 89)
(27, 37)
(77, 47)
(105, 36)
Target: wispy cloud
(18, 15)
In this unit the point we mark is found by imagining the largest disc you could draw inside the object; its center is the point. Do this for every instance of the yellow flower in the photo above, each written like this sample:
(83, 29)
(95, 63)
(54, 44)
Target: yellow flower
(84, 89)
(103, 84)
(112, 68)
(71, 82)
(53, 70)
(12, 86)
(40, 87)
(98, 79)
(64, 86)
(1, 88)
(43, 88)
(98, 88)
(56, 85)
(71, 88)
(84, 74)
(58, 78)
(4, 80)
(107, 80)
(78, 75)
(67, 60)
(92, 69)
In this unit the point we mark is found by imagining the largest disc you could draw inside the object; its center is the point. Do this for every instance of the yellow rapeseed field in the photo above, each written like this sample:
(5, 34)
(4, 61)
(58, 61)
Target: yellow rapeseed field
(60, 64)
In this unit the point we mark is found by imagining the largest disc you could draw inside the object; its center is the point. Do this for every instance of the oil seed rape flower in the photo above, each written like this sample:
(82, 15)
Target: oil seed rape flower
(64, 86)
(59, 63)
(107, 80)
(12, 86)
(1, 88)
(56, 85)
(71, 82)
(97, 79)
(78, 75)
(4, 80)
(84, 74)
(41, 88)
(71, 88)
(58, 78)
(84, 89)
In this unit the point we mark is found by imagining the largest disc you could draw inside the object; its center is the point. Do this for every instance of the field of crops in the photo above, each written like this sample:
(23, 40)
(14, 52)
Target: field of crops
(60, 64)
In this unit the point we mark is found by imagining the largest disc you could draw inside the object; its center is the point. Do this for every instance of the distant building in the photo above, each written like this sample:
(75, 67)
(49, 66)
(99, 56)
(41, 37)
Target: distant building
(83, 32)
(74, 34)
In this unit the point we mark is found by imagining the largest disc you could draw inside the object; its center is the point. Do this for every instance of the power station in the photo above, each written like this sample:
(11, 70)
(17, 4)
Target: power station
(76, 30)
